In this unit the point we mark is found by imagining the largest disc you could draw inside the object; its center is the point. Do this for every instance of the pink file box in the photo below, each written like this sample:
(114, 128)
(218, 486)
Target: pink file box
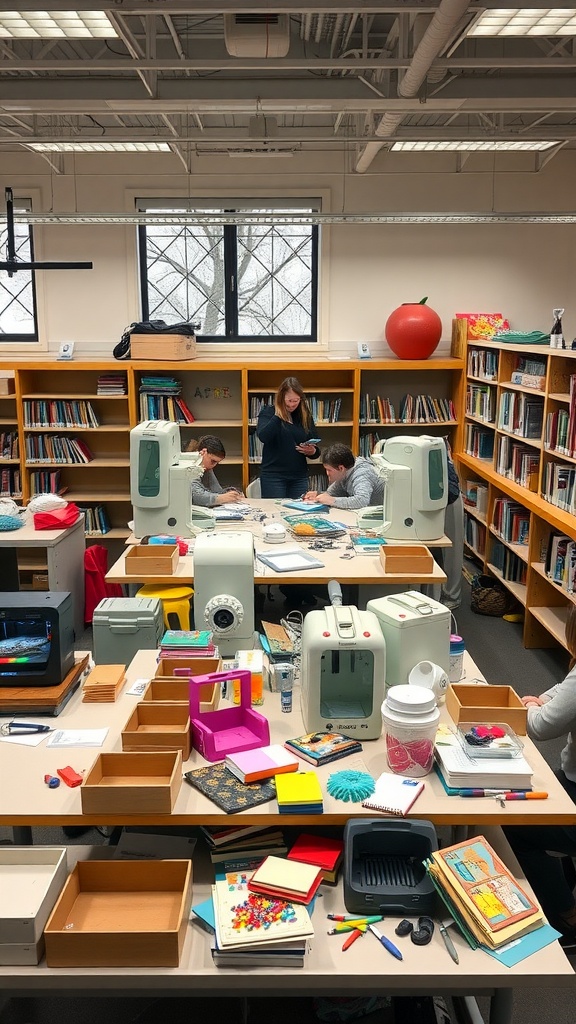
(226, 731)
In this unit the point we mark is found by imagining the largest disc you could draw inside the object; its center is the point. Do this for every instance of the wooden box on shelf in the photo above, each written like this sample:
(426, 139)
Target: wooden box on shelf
(121, 914)
(7, 386)
(472, 703)
(177, 689)
(152, 559)
(404, 558)
(139, 782)
(156, 726)
(162, 347)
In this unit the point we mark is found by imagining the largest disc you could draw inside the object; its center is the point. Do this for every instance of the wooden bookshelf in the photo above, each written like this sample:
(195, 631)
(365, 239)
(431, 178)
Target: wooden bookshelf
(545, 601)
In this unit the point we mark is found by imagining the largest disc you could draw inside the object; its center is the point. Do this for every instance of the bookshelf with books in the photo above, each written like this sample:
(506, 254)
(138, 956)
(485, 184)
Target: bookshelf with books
(10, 449)
(530, 477)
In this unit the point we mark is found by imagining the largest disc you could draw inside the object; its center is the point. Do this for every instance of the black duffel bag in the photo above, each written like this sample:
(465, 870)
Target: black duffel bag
(122, 349)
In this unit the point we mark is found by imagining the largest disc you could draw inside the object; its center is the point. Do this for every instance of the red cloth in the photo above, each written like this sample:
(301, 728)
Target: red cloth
(57, 518)
(96, 588)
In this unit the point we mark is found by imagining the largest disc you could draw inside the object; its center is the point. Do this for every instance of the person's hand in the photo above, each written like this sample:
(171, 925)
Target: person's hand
(532, 702)
(325, 498)
(228, 496)
(310, 496)
(306, 449)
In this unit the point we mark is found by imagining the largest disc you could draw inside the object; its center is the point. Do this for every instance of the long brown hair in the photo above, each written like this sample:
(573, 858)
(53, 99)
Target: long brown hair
(570, 632)
(292, 384)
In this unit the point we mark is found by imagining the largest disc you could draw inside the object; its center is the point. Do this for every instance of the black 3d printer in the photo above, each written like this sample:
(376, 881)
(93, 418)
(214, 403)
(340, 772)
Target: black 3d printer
(36, 638)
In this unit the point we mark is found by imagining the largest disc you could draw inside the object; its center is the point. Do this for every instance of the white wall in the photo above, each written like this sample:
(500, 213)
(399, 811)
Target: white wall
(522, 271)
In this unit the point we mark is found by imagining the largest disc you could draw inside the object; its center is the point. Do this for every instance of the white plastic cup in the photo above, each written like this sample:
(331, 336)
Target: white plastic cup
(410, 718)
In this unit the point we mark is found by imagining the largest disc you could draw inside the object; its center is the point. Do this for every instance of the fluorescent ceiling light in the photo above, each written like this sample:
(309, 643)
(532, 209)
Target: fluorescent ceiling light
(99, 147)
(505, 21)
(55, 25)
(484, 144)
(255, 217)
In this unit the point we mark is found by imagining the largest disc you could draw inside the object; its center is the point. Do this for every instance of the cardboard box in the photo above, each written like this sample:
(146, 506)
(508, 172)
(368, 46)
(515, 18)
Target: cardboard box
(31, 880)
(21, 954)
(152, 559)
(162, 347)
(40, 581)
(121, 914)
(132, 783)
(173, 688)
(470, 703)
(7, 386)
(405, 558)
(155, 726)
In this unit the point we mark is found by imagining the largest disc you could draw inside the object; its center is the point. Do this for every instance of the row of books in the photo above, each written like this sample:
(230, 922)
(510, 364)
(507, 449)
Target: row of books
(57, 448)
(61, 412)
(560, 563)
(413, 409)
(480, 401)
(112, 384)
(96, 521)
(164, 407)
(530, 373)
(477, 442)
(255, 405)
(558, 485)
(482, 363)
(558, 434)
(510, 565)
(10, 482)
(475, 535)
(255, 447)
(45, 482)
(9, 445)
(511, 521)
(521, 413)
(517, 462)
(325, 410)
(476, 496)
(368, 442)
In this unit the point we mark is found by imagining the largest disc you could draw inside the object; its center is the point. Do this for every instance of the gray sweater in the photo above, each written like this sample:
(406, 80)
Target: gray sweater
(359, 487)
(556, 717)
(206, 489)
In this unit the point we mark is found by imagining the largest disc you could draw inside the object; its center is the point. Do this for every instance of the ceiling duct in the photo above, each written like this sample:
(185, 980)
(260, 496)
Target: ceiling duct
(257, 35)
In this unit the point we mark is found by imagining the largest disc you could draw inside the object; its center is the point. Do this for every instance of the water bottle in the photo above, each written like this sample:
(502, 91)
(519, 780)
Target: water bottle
(457, 648)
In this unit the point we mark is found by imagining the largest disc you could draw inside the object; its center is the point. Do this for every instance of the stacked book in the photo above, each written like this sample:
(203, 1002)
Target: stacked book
(322, 851)
(261, 763)
(187, 643)
(286, 879)
(488, 904)
(247, 844)
(459, 771)
(323, 747)
(299, 793)
(112, 384)
(103, 684)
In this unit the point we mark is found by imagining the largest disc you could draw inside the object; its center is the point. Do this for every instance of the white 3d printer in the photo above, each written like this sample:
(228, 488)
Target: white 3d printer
(160, 480)
(415, 474)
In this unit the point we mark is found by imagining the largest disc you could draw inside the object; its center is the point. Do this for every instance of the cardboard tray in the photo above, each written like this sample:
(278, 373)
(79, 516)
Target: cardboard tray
(405, 558)
(172, 688)
(162, 347)
(155, 726)
(139, 782)
(31, 879)
(471, 703)
(121, 914)
(152, 559)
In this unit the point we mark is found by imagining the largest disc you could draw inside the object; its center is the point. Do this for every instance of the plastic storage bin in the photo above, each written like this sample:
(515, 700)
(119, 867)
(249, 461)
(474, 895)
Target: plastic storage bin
(122, 626)
(228, 730)
(410, 718)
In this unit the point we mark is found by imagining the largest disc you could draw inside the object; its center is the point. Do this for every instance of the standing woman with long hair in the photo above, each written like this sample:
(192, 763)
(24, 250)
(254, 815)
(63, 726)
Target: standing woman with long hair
(285, 429)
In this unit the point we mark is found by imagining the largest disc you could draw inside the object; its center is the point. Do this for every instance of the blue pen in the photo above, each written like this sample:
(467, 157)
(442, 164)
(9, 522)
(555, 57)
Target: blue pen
(386, 942)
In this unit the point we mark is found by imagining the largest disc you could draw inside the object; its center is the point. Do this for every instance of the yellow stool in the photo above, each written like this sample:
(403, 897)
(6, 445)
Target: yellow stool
(175, 603)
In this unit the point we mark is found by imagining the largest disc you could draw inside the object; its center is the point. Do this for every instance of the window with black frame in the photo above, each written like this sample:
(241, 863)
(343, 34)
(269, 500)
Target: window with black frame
(18, 316)
(243, 282)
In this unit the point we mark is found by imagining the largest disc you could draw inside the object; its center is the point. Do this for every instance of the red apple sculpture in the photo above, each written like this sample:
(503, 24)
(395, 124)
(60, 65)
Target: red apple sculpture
(413, 330)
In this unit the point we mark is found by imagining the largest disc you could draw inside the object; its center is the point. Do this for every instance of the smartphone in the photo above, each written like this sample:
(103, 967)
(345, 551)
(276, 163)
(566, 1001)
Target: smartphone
(312, 440)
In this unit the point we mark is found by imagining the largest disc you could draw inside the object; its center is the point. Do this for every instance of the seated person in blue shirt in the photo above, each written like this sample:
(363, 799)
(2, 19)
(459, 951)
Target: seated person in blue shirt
(207, 491)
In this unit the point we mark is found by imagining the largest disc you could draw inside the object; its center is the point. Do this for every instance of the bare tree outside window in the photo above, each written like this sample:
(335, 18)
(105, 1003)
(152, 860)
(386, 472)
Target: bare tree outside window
(251, 281)
(17, 296)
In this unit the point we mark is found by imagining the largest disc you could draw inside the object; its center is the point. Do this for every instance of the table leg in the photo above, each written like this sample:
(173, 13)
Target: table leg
(22, 835)
(501, 1006)
(9, 569)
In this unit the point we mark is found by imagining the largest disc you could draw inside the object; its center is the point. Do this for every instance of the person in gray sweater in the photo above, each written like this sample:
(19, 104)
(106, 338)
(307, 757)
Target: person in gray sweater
(354, 482)
(551, 715)
(207, 491)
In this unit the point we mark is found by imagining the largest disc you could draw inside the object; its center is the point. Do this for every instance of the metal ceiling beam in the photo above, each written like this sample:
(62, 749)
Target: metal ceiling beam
(115, 65)
(218, 7)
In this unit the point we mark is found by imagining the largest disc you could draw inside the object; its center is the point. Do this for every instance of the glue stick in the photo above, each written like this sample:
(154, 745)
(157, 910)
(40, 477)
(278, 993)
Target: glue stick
(285, 673)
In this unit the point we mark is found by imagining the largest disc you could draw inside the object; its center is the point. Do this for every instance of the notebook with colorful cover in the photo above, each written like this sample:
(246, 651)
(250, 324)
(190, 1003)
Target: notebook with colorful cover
(231, 906)
(220, 786)
(323, 747)
(394, 794)
(261, 763)
(287, 879)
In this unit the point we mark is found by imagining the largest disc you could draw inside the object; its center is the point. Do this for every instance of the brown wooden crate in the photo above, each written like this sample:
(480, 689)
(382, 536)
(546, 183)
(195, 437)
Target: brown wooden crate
(152, 559)
(162, 347)
(132, 783)
(406, 558)
(471, 703)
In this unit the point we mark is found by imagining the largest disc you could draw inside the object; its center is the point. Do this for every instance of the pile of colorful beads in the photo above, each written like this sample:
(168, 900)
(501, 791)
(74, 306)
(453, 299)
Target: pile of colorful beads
(261, 912)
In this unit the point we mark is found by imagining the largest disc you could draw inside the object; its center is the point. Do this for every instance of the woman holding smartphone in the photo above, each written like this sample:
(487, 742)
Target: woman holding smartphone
(286, 429)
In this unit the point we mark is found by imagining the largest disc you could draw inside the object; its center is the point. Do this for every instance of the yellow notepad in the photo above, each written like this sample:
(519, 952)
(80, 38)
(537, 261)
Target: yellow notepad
(298, 788)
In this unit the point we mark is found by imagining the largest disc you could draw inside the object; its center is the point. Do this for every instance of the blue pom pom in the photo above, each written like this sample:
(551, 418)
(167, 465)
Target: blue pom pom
(352, 786)
(10, 523)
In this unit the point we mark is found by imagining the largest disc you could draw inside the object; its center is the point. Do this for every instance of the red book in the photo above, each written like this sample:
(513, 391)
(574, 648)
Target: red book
(319, 850)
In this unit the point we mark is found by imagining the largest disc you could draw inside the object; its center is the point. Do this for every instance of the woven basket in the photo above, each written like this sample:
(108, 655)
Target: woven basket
(488, 596)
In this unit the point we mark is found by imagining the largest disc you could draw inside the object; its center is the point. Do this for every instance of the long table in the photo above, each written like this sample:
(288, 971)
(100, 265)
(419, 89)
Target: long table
(364, 968)
(355, 570)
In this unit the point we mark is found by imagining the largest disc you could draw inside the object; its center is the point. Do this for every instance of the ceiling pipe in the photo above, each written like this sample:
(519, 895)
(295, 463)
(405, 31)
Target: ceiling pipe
(436, 37)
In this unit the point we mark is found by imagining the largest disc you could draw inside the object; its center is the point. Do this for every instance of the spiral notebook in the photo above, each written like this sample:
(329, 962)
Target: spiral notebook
(394, 794)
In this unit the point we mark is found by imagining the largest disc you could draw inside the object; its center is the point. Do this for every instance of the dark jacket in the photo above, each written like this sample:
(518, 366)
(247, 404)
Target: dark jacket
(279, 440)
